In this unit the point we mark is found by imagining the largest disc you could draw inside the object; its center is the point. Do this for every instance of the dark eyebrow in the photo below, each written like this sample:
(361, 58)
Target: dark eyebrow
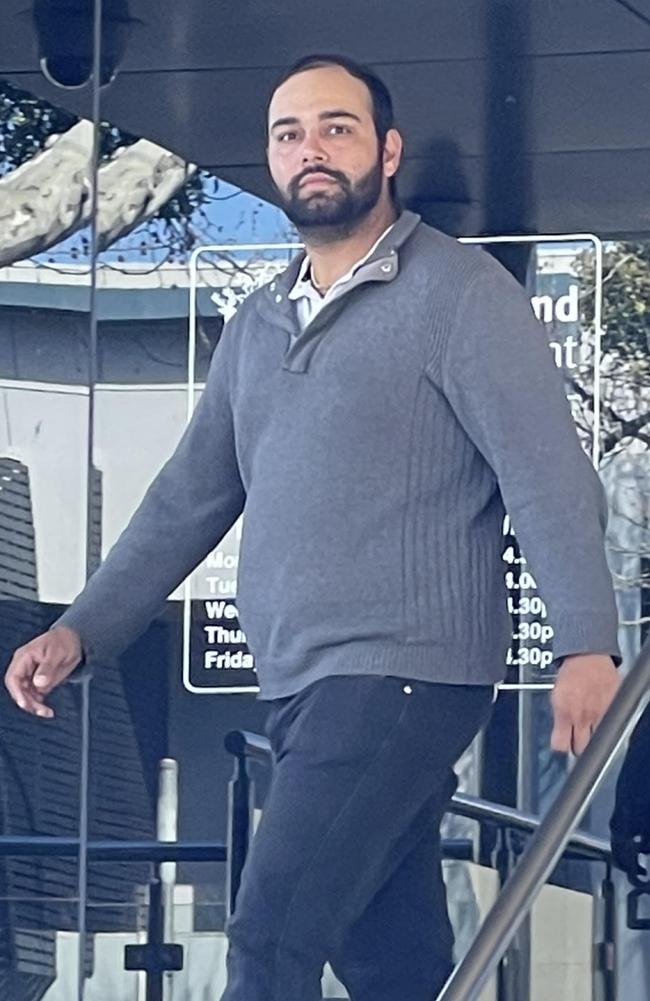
(339, 113)
(283, 121)
(324, 116)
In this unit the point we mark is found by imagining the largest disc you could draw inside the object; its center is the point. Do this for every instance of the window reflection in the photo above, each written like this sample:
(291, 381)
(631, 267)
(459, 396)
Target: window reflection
(44, 302)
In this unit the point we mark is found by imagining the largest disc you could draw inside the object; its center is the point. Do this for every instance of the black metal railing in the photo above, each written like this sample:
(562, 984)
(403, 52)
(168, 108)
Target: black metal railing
(549, 840)
(33, 845)
(247, 746)
(155, 957)
(581, 845)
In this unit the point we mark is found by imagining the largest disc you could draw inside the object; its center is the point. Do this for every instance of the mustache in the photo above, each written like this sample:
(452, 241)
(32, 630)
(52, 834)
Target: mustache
(336, 175)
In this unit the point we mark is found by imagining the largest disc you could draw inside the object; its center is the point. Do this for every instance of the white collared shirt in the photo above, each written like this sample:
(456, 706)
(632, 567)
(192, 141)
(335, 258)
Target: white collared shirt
(309, 302)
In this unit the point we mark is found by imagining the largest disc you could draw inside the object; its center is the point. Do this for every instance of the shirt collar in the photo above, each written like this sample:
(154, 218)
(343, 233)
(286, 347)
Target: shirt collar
(303, 287)
(278, 290)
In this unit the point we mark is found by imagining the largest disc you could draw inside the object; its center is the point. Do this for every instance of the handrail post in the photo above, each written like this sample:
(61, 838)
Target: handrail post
(155, 937)
(513, 972)
(167, 830)
(605, 950)
(241, 798)
(550, 840)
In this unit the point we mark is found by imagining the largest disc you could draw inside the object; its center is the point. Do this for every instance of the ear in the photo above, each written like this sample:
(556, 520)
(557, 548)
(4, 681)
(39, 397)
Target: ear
(392, 155)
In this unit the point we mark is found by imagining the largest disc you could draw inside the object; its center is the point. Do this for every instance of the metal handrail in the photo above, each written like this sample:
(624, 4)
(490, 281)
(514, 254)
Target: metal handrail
(581, 844)
(246, 744)
(29, 846)
(551, 838)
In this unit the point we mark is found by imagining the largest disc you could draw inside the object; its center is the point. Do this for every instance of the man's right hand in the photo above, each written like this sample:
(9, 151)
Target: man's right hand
(40, 666)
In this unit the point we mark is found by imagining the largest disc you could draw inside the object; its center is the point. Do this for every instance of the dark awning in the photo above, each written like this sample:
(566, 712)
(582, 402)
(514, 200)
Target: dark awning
(519, 115)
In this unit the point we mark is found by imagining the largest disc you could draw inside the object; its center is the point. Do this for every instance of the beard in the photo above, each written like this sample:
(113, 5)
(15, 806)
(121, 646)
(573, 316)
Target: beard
(335, 211)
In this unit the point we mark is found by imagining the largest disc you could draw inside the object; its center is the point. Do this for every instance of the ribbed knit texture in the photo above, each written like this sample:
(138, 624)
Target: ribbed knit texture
(373, 455)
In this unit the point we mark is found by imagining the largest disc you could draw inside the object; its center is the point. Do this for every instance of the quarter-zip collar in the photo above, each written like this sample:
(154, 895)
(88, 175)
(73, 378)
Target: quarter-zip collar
(275, 306)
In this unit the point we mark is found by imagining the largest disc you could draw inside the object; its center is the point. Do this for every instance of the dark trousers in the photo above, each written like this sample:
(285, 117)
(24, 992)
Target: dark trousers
(345, 865)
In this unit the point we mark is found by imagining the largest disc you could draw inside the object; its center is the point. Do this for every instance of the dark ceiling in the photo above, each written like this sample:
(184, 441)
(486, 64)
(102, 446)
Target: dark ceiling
(519, 115)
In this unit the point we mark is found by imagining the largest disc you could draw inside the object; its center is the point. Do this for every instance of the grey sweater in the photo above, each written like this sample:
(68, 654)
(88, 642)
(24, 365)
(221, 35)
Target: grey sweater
(372, 455)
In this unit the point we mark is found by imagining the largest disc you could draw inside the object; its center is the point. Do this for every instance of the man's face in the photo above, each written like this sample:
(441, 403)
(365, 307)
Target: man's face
(323, 150)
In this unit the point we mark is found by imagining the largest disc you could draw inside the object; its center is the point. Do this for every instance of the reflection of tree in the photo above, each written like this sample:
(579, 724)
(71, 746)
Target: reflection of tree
(232, 280)
(625, 409)
(46, 175)
(625, 366)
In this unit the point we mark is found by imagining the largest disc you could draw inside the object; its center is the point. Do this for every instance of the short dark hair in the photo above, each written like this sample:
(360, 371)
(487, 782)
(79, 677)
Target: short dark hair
(382, 103)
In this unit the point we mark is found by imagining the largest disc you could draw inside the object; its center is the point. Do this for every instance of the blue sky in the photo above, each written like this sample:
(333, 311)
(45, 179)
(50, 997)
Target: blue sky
(230, 216)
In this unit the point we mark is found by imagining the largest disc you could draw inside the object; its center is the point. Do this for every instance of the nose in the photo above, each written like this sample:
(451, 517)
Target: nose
(313, 150)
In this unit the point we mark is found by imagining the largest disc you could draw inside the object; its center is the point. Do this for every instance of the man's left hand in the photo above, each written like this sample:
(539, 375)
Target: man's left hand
(586, 684)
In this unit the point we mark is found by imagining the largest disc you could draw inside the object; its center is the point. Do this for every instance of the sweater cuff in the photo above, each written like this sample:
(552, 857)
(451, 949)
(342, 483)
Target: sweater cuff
(585, 633)
(74, 622)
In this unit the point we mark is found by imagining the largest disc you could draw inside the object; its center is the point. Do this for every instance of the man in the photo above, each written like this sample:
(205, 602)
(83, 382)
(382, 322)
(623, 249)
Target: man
(357, 408)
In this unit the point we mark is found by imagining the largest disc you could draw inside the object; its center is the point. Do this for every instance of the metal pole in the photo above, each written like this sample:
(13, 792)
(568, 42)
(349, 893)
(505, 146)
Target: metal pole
(167, 830)
(239, 828)
(513, 970)
(603, 966)
(608, 957)
(547, 845)
(154, 976)
(84, 784)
